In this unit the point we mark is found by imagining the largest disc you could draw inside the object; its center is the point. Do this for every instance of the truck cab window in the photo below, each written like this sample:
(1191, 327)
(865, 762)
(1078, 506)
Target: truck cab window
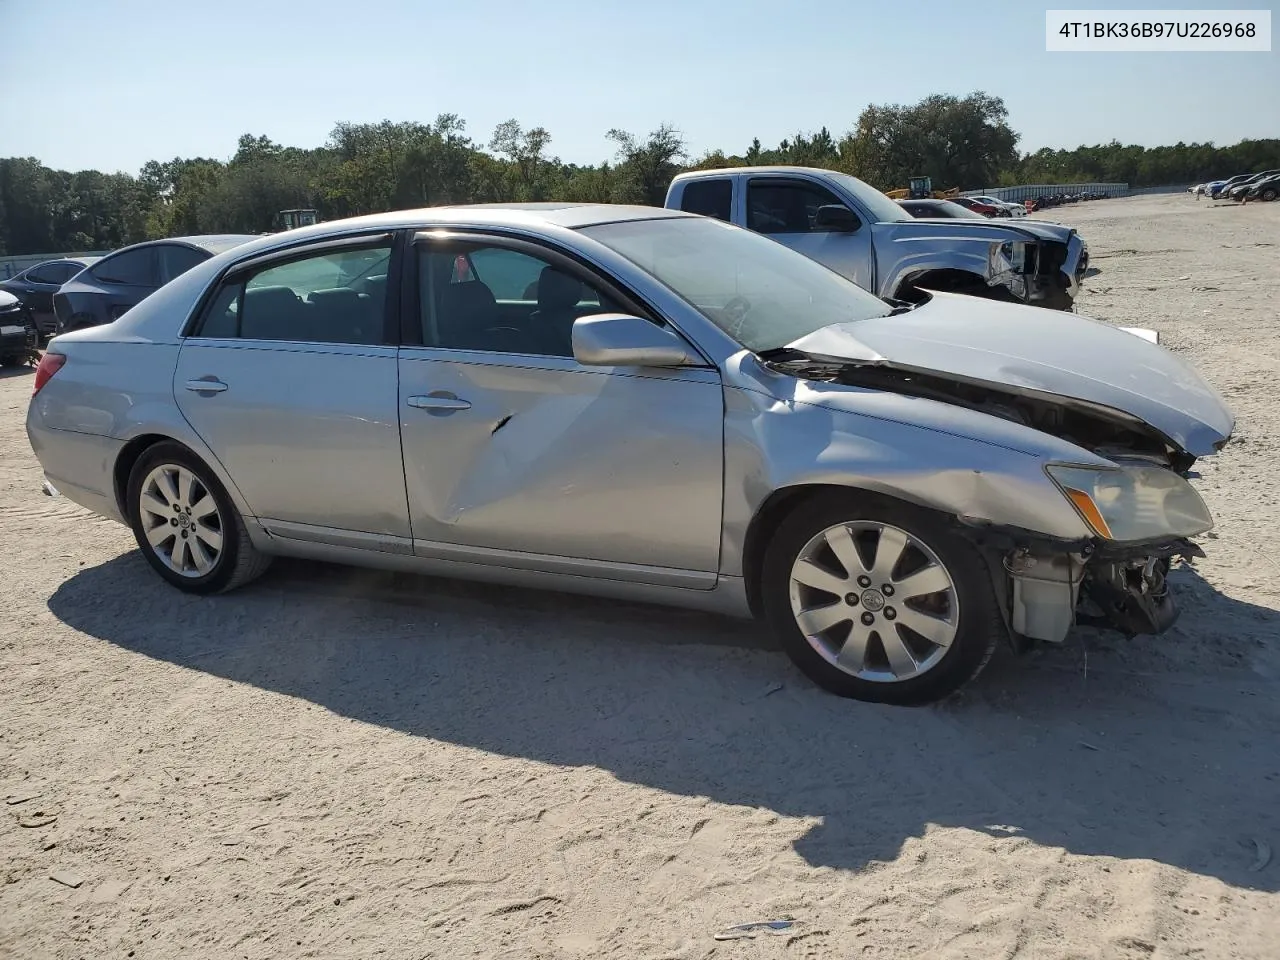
(710, 198)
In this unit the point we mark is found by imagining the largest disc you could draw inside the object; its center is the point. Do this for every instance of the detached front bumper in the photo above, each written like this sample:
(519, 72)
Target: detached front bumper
(1049, 586)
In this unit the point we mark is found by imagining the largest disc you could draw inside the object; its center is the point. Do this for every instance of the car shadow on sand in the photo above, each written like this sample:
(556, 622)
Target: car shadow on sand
(1175, 762)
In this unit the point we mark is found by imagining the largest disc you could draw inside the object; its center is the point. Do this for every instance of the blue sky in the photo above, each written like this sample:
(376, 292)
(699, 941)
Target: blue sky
(110, 85)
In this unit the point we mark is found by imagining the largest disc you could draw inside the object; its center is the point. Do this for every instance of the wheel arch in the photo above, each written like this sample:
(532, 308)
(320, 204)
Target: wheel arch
(143, 439)
(782, 502)
(948, 279)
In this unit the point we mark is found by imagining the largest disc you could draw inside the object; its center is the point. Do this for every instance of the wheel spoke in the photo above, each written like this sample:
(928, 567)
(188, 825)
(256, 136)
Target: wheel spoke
(933, 629)
(178, 556)
(184, 487)
(205, 507)
(817, 619)
(212, 537)
(853, 655)
(153, 504)
(901, 662)
(840, 540)
(159, 533)
(199, 555)
(812, 575)
(930, 579)
(889, 550)
(164, 483)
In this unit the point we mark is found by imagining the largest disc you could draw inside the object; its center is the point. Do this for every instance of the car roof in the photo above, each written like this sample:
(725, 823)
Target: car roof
(213, 243)
(482, 215)
(775, 168)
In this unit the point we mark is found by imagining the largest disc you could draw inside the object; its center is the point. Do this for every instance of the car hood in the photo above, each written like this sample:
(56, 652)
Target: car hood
(984, 229)
(1038, 352)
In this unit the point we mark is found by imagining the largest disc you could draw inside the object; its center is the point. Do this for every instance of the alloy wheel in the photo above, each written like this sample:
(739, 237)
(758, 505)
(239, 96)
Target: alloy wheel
(181, 520)
(874, 601)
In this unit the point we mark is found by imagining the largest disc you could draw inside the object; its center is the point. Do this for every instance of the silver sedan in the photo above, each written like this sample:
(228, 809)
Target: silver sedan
(643, 404)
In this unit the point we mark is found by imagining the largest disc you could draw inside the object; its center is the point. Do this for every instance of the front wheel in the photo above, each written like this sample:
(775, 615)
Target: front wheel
(1268, 194)
(186, 525)
(877, 600)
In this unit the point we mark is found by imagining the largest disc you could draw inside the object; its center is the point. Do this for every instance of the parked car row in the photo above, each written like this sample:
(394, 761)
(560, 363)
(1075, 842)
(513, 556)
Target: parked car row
(1241, 188)
(68, 294)
(1058, 199)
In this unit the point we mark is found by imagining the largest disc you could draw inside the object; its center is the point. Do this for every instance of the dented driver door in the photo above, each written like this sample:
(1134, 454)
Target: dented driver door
(539, 463)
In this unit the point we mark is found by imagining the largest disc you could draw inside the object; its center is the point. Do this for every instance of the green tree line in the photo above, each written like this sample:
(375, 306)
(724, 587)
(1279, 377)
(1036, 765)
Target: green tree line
(963, 142)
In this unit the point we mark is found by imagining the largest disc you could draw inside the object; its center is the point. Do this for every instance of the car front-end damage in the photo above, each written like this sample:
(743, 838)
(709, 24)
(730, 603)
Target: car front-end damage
(1135, 444)
(1032, 262)
(1040, 271)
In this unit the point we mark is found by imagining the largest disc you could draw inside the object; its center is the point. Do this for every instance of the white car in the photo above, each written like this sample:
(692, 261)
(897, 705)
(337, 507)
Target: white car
(1010, 208)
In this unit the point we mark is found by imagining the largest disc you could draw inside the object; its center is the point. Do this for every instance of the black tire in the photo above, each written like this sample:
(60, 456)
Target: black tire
(1268, 194)
(12, 360)
(239, 560)
(980, 624)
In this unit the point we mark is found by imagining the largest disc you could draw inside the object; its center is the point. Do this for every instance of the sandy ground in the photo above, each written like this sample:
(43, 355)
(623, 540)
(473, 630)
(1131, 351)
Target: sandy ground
(339, 764)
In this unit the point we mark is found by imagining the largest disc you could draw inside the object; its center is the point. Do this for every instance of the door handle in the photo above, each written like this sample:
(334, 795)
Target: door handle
(439, 400)
(206, 386)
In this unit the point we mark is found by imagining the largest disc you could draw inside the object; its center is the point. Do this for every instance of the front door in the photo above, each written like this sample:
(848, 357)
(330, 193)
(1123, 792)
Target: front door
(290, 379)
(516, 454)
(786, 210)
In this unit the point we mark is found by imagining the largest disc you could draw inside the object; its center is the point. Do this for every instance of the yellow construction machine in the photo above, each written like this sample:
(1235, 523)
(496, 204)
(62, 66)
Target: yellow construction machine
(922, 189)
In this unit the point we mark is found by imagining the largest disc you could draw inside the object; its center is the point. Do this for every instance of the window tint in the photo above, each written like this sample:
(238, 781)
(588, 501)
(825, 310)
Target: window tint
(335, 297)
(176, 260)
(45, 273)
(477, 296)
(710, 198)
(133, 267)
(786, 207)
(65, 271)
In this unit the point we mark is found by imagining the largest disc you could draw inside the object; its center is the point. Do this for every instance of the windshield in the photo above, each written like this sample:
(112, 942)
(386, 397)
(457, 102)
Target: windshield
(761, 293)
(881, 208)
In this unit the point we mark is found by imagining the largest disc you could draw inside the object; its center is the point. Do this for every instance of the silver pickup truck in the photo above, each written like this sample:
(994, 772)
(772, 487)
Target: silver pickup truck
(860, 233)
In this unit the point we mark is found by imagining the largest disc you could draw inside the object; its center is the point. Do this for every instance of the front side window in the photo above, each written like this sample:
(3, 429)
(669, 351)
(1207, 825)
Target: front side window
(45, 273)
(132, 267)
(481, 296)
(787, 206)
(760, 292)
(337, 296)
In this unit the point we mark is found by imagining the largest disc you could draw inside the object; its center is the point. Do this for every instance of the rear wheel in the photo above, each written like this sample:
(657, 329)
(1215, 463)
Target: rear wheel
(186, 525)
(877, 600)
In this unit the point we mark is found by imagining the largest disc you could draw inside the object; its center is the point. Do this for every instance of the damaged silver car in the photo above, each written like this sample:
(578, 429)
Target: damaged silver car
(643, 404)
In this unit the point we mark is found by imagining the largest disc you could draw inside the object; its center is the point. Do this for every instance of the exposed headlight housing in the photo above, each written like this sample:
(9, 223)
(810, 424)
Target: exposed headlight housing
(1133, 502)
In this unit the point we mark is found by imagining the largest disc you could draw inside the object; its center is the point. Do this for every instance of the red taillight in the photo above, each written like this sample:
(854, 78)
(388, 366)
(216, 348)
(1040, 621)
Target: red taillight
(50, 364)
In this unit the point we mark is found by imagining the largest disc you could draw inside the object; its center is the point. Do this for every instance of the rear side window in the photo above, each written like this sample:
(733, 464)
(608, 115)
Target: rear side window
(710, 198)
(134, 267)
(176, 260)
(337, 296)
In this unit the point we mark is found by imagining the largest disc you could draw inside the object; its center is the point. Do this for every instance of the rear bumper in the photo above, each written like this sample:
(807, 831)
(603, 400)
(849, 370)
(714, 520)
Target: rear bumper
(78, 466)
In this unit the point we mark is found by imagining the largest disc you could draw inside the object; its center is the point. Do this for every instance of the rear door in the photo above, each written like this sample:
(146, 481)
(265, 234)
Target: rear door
(290, 378)
(786, 208)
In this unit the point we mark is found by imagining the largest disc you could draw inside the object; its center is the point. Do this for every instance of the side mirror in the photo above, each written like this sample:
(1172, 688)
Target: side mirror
(837, 217)
(619, 340)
